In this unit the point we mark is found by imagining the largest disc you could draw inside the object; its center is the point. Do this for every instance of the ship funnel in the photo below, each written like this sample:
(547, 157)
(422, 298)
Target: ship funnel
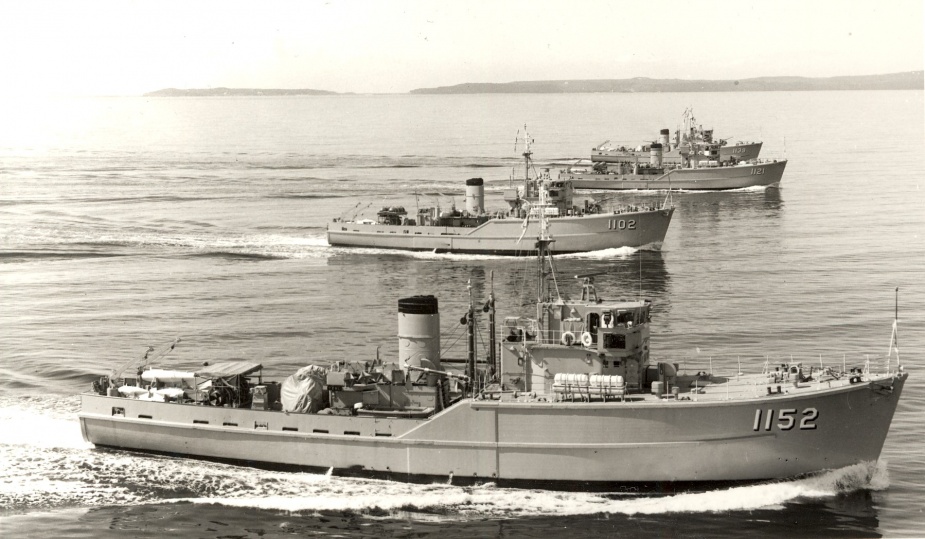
(475, 196)
(663, 137)
(419, 332)
(655, 154)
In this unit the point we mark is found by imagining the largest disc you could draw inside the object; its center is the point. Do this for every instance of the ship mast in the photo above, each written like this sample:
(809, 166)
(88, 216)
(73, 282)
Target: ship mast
(492, 343)
(544, 241)
(527, 156)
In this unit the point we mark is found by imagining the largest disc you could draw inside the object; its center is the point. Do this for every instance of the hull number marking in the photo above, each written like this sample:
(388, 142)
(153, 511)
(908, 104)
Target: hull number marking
(786, 419)
(757, 171)
(621, 224)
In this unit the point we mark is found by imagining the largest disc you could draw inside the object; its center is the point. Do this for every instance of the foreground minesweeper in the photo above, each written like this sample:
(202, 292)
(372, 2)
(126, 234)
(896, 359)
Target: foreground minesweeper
(577, 228)
(674, 152)
(570, 397)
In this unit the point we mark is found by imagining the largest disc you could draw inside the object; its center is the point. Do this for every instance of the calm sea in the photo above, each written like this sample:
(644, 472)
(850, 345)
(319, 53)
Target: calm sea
(128, 222)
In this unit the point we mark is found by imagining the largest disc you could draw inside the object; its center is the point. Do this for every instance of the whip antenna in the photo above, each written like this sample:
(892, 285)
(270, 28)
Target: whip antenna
(894, 338)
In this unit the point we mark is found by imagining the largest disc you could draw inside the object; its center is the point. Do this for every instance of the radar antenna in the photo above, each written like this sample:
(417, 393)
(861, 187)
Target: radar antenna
(588, 292)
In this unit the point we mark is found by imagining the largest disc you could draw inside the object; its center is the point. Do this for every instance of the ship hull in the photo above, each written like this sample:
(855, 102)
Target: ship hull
(707, 178)
(549, 442)
(739, 152)
(508, 236)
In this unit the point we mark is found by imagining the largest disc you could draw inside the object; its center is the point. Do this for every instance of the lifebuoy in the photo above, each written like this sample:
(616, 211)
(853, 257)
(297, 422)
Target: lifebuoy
(587, 340)
(568, 338)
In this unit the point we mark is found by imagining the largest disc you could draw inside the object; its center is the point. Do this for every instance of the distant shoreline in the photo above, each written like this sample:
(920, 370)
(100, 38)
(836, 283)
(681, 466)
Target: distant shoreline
(223, 92)
(909, 80)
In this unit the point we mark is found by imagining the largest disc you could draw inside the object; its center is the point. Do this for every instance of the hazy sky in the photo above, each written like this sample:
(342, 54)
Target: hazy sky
(123, 47)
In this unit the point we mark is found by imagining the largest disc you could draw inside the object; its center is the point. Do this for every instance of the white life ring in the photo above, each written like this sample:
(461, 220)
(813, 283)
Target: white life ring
(587, 340)
(568, 338)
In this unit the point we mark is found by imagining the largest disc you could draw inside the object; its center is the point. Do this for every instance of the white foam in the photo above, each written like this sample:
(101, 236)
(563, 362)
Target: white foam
(420, 255)
(487, 500)
(45, 423)
(749, 189)
(603, 254)
(275, 245)
(430, 255)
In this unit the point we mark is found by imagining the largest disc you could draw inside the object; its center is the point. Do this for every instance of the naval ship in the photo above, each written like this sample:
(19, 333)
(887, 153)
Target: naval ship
(686, 135)
(577, 228)
(567, 395)
(698, 172)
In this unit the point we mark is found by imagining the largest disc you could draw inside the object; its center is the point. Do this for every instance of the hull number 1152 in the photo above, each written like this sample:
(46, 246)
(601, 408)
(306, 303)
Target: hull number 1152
(786, 419)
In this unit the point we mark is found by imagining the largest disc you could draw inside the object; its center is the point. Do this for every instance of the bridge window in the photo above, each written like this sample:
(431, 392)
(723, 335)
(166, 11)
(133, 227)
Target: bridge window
(594, 321)
(614, 340)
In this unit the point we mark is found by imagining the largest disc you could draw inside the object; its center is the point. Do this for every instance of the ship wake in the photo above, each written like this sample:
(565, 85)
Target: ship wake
(366, 496)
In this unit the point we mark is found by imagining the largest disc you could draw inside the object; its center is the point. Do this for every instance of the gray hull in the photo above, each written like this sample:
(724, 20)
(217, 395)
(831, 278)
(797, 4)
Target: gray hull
(507, 236)
(739, 152)
(709, 438)
(707, 178)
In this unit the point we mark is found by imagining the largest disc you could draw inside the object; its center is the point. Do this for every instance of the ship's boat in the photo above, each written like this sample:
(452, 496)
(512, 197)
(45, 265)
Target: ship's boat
(568, 396)
(578, 226)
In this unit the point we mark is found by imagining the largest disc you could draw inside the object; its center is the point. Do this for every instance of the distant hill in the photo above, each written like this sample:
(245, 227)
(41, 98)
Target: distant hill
(910, 80)
(219, 92)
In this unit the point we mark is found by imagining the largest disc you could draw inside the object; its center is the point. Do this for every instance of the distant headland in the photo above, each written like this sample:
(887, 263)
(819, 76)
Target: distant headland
(909, 80)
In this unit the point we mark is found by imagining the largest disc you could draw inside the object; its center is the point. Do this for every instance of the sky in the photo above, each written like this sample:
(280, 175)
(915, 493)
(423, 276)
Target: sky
(94, 47)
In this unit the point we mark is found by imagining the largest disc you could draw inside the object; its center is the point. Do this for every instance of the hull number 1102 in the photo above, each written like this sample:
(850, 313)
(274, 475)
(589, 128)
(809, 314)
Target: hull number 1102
(621, 224)
(786, 419)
